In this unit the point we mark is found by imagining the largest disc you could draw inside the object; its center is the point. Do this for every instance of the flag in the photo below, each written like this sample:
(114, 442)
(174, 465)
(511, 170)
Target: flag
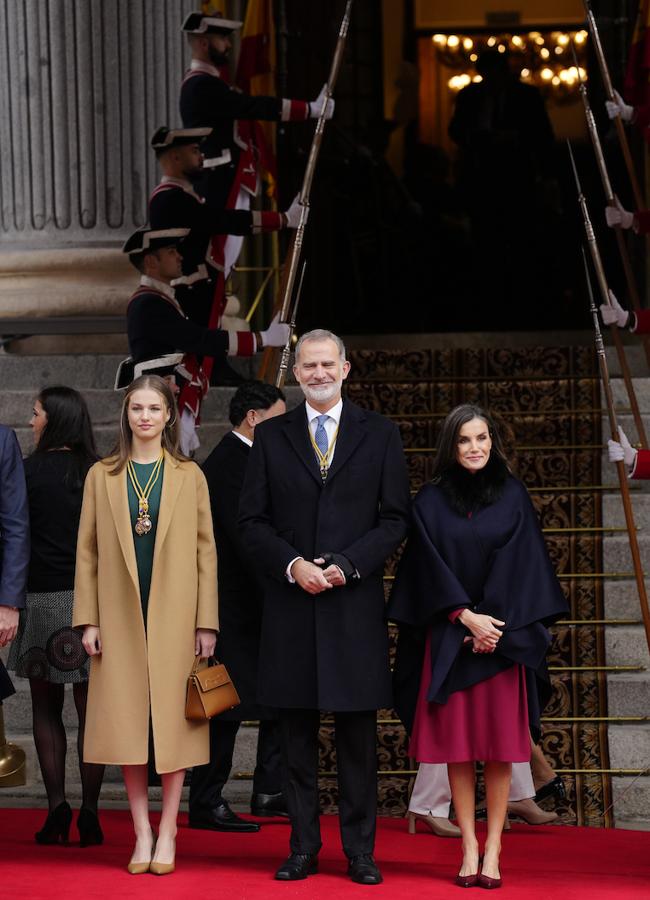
(636, 87)
(256, 75)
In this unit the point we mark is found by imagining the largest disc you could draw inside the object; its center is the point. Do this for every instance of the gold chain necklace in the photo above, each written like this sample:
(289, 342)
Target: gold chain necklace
(143, 524)
(324, 459)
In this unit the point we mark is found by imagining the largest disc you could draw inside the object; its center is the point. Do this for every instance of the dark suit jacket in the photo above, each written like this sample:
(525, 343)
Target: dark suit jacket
(14, 532)
(240, 593)
(329, 651)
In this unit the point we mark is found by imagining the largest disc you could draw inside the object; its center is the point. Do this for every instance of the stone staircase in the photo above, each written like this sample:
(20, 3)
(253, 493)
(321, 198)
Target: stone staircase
(628, 689)
(628, 685)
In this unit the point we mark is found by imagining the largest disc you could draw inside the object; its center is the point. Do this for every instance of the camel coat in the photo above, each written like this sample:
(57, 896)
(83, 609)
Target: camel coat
(137, 674)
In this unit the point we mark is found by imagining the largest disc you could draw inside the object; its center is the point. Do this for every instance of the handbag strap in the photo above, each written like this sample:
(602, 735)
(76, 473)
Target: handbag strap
(212, 661)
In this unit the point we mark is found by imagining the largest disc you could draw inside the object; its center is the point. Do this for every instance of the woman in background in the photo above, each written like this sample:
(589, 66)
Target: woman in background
(47, 650)
(476, 577)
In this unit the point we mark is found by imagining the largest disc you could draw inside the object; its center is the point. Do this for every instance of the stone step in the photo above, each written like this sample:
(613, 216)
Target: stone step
(622, 599)
(616, 551)
(613, 514)
(243, 766)
(80, 371)
(626, 645)
(631, 800)
(629, 746)
(628, 694)
(641, 387)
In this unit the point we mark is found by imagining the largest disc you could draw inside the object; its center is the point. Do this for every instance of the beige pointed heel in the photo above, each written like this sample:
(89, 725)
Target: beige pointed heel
(141, 868)
(439, 826)
(159, 868)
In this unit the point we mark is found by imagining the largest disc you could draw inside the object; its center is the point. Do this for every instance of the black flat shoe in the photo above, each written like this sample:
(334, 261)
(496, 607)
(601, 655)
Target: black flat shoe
(90, 832)
(363, 870)
(297, 866)
(56, 827)
(220, 818)
(556, 788)
(269, 805)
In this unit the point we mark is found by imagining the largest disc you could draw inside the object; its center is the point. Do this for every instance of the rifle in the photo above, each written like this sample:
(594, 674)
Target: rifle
(604, 293)
(286, 350)
(292, 261)
(611, 200)
(609, 90)
(620, 465)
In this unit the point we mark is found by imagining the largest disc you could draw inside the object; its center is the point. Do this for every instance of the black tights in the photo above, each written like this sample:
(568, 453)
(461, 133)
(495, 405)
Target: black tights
(51, 742)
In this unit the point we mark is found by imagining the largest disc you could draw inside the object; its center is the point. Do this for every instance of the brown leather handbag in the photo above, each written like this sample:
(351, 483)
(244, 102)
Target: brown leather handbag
(210, 691)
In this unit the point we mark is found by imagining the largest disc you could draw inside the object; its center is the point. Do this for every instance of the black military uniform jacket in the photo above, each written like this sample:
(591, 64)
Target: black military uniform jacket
(156, 325)
(175, 204)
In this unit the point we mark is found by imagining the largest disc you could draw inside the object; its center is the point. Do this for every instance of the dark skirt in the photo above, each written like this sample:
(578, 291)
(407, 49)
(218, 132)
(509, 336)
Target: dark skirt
(46, 645)
(487, 721)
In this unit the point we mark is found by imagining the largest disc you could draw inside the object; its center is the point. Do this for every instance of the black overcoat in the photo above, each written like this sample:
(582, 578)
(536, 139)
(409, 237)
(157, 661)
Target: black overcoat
(240, 593)
(494, 561)
(328, 651)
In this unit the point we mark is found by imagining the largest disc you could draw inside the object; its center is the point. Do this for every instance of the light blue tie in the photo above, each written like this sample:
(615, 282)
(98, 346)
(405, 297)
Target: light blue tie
(320, 438)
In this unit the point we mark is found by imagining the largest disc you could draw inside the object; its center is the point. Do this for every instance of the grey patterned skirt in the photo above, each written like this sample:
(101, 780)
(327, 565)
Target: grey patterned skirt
(46, 645)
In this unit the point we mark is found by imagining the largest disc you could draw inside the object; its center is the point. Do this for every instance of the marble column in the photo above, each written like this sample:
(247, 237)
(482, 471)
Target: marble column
(83, 86)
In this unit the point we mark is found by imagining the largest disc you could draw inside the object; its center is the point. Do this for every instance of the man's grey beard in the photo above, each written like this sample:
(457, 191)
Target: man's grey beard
(321, 395)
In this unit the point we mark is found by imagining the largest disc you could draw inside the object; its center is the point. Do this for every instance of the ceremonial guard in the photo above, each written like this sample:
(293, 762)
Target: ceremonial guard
(240, 613)
(208, 101)
(175, 204)
(156, 324)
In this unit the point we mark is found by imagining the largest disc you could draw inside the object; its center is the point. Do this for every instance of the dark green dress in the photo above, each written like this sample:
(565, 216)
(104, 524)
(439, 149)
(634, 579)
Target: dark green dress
(144, 544)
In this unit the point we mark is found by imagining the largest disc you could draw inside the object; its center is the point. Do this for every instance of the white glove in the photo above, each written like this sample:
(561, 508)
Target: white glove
(293, 213)
(618, 107)
(277, 334)
(316, 106)
(621, 452)
(618, 215)
(612, 313)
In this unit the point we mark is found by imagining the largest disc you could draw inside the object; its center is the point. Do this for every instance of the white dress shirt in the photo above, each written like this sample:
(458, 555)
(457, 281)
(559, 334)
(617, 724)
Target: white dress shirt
(242, 437)
(330, 425)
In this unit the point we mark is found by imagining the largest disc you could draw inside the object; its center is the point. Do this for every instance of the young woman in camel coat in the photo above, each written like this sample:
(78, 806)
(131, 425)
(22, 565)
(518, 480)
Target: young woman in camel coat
(144, 621)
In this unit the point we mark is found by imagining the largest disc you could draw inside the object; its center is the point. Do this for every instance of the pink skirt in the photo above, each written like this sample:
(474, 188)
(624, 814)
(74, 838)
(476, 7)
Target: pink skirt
(487, 721)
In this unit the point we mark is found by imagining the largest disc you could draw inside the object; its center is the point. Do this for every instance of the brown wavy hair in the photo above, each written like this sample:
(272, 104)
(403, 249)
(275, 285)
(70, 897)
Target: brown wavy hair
(170, 438)
(450, 430)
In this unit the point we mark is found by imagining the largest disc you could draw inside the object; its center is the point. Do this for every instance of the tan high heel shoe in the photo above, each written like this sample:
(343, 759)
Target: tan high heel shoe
(141, 868)
(159, 868)
(440, 827)
(530, 812)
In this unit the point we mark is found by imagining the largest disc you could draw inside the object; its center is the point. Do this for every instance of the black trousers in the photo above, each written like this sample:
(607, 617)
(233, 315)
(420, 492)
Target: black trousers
(208, 781)
(356, 754)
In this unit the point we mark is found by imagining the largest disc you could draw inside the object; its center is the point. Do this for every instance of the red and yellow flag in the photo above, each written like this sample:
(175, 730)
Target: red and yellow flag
(256, 75)
(636, 87)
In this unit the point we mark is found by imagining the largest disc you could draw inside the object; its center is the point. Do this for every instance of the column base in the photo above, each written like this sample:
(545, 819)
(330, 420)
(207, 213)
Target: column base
(86, 281)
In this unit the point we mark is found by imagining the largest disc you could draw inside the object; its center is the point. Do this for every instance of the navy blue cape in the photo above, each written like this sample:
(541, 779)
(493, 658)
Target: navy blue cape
(495, 562)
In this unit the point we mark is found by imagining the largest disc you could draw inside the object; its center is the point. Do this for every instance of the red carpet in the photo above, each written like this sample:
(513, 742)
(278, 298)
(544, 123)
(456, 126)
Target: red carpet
(562, 863)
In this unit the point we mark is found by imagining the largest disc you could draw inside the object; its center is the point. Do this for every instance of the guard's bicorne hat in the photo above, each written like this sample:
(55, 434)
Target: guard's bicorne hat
(215, 23)
(166, 138)
(128, 370)
(146, 240)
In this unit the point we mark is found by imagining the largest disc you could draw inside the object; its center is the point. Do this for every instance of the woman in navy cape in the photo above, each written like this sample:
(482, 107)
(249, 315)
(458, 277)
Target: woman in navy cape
(474, 593)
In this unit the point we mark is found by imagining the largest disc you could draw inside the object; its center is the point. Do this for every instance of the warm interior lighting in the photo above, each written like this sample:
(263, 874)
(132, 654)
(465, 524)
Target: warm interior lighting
(544, 53)
(453, 41)
(468, 43)
(546, 74)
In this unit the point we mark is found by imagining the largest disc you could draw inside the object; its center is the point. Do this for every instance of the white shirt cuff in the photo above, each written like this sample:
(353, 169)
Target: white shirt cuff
(288, 574)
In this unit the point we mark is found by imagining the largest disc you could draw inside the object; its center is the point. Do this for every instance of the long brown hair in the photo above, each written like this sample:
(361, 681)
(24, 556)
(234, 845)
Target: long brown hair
(450, 431)
(170, 438)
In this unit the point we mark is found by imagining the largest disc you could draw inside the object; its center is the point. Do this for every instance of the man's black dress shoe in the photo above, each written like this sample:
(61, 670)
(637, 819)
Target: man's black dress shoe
(269, 805)
(220, 818)
(297, 866)
(363, 870)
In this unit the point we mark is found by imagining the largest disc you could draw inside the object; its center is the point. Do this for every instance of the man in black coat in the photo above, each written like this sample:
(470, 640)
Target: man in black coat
(240, 622)
(324, 503)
